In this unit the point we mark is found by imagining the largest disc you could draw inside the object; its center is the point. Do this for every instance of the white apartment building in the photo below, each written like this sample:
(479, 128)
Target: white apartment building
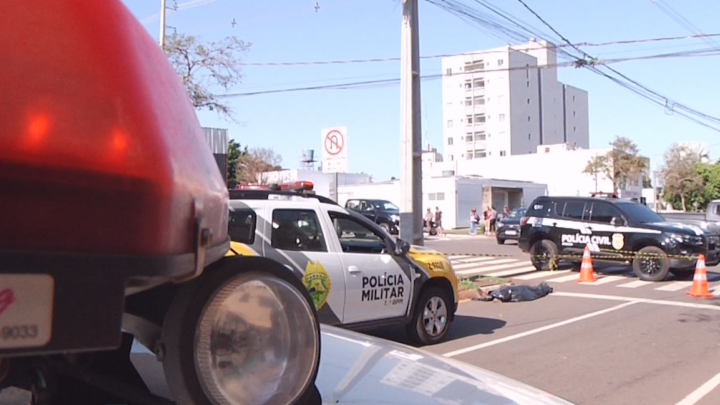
(508, 101)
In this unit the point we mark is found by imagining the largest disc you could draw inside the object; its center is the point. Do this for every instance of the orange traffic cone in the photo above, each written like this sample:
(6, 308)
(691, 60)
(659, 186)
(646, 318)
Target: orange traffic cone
(700, 288)
(587, 274)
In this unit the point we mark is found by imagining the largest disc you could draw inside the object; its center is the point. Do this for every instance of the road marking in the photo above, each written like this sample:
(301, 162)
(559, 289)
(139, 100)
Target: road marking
(538, 330)
(474, 265)
(637, 300)
(504, 273)
(695, 396)
(678, 285)
(541, 274)
(607, 279)
(491, 268)
(474, 268)
(472, 259)
(635, 284)
(570, 277)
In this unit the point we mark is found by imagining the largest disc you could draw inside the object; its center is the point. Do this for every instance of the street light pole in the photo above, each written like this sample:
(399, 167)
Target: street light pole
(163, 4)
(410, 124)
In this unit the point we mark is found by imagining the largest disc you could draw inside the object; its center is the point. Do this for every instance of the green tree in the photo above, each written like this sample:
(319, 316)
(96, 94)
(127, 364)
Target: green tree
(682, 175)
(253, 165)
(204, 67)
(624, 164)
(235, 152)
(595, 166)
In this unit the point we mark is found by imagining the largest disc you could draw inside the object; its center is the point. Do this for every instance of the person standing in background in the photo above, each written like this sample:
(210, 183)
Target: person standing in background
(486, 219)
(474, 221)
(493, 219)
(438, 222)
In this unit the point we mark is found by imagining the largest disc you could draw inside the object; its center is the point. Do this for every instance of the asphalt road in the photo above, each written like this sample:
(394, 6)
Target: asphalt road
(593, 344)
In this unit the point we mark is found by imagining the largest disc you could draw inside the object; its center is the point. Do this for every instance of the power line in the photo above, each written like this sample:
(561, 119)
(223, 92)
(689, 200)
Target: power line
(649, 93)
(437, 56)
(392, 81)
(682, 21)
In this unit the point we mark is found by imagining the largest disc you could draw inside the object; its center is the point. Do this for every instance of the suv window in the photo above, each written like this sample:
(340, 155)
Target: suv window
(603, 212)
(356, 237)
(542, 208)
(352, 204)
(297, 230)
(241, 225)
(574, 210)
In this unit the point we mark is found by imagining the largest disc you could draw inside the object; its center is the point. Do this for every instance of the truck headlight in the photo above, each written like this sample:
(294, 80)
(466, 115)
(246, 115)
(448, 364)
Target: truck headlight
(255, 340)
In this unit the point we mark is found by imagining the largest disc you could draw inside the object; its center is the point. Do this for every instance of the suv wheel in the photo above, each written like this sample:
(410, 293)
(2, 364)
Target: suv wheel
(651, 268)
(431, 319)
(500, 241)
(542, 253)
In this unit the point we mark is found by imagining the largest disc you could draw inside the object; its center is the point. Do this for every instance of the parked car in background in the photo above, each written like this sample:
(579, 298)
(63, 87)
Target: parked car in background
(382, 212)
(508, 227)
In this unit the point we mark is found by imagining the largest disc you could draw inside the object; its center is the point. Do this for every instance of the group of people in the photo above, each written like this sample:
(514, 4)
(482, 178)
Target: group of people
(434, 220)
(489, 216)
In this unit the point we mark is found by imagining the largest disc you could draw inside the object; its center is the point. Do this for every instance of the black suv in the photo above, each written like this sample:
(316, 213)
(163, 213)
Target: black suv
(382, 212)
(508, 227)
(612, 229)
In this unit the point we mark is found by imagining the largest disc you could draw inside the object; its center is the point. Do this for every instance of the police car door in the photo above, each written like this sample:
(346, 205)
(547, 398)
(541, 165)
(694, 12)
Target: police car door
(605, 221)
(299, 239)
(377, 287)
(574, 231)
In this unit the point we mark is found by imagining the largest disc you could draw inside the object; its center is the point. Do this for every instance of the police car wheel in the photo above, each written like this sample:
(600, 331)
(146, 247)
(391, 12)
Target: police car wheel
(542, 253)
(431, 318)
(651, 268)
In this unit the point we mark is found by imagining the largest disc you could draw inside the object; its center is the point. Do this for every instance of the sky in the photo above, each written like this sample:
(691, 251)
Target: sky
(293, 31)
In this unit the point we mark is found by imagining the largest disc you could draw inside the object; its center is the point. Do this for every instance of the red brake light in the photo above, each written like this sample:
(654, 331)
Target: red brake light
(101, 150)
(523, 220)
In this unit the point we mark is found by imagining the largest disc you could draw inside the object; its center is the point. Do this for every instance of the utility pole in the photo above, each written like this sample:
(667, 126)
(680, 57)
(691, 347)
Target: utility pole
(654, 185)
(410, 124)
(163, 8)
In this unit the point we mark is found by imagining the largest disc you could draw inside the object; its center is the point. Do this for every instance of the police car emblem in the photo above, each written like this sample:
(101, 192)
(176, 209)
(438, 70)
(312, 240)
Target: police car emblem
(618, 241)
(317, 282)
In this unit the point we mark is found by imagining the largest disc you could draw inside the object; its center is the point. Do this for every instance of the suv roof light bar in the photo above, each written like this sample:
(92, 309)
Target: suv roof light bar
(265, 194)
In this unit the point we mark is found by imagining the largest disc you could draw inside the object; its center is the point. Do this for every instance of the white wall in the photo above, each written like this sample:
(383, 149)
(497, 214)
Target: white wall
(524, 116)
(562, 171)
(577, 122)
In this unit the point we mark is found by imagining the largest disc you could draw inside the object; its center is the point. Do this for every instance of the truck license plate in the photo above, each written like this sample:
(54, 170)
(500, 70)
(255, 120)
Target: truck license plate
(510, 233)
(26, 309)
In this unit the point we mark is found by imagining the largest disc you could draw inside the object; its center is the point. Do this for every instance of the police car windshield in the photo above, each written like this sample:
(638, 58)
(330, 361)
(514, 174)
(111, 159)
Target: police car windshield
(639, 213)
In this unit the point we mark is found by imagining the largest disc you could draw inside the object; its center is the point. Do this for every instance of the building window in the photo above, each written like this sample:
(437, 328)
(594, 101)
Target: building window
(528, 118)
(529, 136)
(480, 153)
(479, 118)
(468, 84)
(451, 158)
(500, 62)
(439, 196)
(501, 117)
(468, 120)
(468, 101)
(528, 83)
(479, 136)
(431, 196)
(449, 124)
(479, 100)
(468, 155)
(528, 101)
(450, 141)
(573, 98)
(474, 66)
(448, 71)
(527, 72)
(573, 113)
(502, 153)
(573, 129)
(479, 83)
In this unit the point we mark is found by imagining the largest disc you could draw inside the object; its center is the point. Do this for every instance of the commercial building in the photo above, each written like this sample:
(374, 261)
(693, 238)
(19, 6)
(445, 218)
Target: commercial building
(508, 101)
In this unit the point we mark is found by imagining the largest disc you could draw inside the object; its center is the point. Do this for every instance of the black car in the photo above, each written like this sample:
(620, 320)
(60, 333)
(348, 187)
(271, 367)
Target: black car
(382, 212)
(614, 230)
(508, 227)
